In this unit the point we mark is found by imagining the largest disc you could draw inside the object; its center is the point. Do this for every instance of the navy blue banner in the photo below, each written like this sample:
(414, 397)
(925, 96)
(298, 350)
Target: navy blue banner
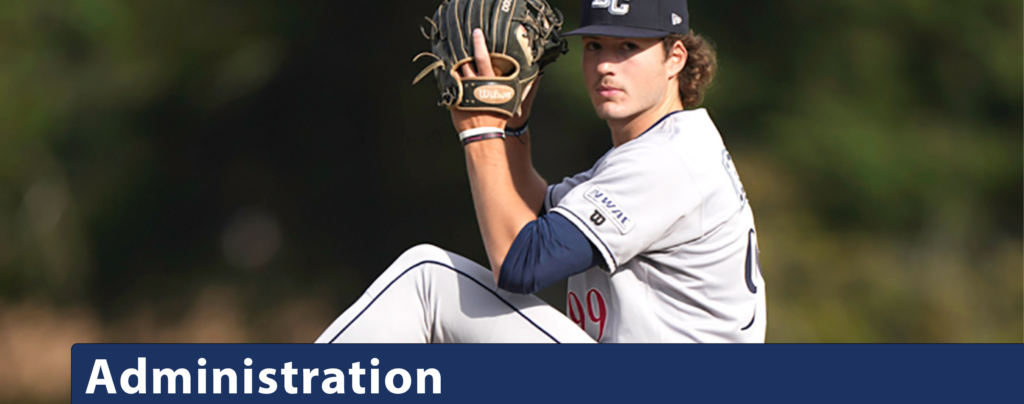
(253, 373)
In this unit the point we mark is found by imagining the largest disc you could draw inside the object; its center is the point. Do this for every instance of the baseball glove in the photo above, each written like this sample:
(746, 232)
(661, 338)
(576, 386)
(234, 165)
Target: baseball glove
(522, 37)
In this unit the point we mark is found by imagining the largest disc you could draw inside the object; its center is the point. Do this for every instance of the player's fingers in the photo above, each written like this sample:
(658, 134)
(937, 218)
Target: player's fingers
(480, 54)
(467, 70)
(532, 91)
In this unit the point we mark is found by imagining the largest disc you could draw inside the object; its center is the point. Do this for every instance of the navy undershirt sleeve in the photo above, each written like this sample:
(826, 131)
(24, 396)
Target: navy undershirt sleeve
(545, 251)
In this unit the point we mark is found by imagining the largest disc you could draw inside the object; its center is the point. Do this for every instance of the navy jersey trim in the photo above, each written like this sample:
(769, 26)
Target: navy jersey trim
(660, 121)
(550, 202)
(752, 318)
(456, 271)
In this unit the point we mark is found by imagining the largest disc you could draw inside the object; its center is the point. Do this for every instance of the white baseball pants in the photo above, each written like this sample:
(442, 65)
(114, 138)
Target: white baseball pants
(429, 295)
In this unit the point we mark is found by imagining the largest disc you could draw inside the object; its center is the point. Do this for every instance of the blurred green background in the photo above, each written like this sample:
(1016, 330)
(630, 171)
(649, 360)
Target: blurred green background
(239, 171)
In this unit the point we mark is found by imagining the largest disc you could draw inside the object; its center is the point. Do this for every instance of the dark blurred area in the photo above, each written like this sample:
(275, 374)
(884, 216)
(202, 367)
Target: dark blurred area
(239, 171)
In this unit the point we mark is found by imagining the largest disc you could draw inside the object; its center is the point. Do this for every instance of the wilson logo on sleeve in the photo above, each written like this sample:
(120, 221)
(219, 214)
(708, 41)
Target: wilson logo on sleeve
(610, 210)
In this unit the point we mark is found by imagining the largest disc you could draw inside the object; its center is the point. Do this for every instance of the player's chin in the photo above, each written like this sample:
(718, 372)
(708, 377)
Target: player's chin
(608, 110)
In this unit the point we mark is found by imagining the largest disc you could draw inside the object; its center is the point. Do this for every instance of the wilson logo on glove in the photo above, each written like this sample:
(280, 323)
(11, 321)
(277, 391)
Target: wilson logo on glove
(494, 94)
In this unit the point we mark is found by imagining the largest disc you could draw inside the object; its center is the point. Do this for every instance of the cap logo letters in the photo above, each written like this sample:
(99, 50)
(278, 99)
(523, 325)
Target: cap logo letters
(613, 6)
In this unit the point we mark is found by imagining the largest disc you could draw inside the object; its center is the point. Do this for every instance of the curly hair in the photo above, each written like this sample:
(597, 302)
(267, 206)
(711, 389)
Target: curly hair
(701, 65)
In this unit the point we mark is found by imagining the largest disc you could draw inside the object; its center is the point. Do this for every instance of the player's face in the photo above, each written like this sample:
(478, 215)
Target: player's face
(625, 76)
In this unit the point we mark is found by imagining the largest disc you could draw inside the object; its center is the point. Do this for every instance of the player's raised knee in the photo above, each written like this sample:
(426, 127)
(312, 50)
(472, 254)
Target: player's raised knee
(414, 257)
(424, 252)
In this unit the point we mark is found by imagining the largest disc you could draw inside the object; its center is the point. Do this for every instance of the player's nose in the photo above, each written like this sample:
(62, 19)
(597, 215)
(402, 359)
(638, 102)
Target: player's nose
(605, 67)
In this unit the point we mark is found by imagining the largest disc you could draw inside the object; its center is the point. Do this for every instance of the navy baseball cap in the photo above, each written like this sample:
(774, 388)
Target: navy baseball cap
(632, 19)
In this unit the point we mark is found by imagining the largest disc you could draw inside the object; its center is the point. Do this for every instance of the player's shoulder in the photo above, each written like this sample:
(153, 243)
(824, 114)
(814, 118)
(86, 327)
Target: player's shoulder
(683, 145)
(687, 128)
(676, 138)
(688, 142)
(646, 153)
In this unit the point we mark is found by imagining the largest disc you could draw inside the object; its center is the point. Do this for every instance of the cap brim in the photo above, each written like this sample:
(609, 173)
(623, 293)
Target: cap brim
(616, 32)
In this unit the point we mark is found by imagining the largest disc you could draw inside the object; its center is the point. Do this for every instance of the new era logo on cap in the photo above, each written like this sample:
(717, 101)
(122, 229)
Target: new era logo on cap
(632, 18)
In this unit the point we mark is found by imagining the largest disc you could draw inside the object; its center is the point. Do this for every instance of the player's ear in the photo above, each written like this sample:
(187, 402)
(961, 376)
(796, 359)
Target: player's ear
(676, 58)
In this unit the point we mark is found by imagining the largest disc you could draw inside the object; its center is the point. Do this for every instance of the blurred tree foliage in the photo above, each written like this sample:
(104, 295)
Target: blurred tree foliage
(149, 149)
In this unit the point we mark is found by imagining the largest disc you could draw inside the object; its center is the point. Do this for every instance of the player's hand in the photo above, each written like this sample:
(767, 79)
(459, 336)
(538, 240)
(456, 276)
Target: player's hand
(464, 120)
(520, 119)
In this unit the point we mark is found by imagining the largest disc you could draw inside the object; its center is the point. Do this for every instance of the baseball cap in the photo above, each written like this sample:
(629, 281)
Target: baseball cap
(632, 18)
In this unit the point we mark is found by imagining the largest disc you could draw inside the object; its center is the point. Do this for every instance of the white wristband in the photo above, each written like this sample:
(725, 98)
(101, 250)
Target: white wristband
(479, 131)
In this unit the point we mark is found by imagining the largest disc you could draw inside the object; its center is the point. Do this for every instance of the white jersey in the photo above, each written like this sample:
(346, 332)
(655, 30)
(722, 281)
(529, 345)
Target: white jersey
(670, 217)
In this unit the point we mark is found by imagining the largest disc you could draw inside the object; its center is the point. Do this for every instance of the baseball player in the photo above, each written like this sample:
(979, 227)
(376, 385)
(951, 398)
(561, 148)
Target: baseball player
(657, 239)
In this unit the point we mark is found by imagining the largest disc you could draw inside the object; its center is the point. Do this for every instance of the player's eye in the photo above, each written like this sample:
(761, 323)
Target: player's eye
(592, 46)
(630, 46)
